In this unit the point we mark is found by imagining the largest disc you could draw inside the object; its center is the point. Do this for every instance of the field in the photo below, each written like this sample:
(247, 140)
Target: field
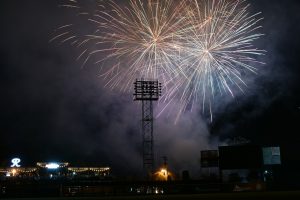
(286, 195)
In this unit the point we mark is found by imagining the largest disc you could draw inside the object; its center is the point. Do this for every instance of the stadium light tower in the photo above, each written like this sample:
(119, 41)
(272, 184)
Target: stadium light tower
(147, 91)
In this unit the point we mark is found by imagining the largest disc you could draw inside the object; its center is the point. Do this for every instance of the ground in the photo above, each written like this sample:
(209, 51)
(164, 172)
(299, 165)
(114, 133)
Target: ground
(219, 196)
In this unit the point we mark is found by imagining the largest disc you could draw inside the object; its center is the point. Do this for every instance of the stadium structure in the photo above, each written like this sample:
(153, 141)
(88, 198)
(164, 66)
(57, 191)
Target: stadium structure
(51, 170)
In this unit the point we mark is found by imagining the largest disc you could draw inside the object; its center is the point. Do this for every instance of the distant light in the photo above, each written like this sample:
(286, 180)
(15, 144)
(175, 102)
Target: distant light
(8, 174)
(14, 172)
(162, 174)
(15, 162)
(52, 166)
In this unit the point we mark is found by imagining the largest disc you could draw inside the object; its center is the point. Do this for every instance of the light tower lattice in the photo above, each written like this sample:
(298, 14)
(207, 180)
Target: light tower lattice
(147, 91)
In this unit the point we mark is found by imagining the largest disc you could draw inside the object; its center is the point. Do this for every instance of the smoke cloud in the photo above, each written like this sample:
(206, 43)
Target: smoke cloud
(53, 110)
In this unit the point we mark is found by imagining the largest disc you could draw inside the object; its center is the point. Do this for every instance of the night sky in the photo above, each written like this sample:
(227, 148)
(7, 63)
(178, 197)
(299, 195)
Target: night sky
(52, 109)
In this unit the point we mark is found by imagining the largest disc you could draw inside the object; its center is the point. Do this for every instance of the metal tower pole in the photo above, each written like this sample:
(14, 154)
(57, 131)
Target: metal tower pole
(147, 131)
(147, 92)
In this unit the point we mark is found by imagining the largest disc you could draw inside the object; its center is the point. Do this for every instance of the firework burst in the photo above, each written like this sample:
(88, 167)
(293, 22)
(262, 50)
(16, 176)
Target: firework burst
(136, 40)
(218, 49)
(196, 48)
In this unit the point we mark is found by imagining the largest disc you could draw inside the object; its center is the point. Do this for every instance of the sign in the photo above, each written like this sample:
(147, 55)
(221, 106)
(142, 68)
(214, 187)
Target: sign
(271, 156)
(15, 162)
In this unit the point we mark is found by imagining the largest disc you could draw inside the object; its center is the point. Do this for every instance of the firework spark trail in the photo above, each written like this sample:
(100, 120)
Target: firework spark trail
(140, 38)
(146, 36)
(218, 49)
(197, 49)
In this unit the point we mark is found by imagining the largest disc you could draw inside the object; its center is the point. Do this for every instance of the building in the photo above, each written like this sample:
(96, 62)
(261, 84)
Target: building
(51, 170)
(242, 164)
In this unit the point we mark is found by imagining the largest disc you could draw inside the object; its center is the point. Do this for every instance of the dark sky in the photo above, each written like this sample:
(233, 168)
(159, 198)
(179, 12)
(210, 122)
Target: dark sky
(51, 109)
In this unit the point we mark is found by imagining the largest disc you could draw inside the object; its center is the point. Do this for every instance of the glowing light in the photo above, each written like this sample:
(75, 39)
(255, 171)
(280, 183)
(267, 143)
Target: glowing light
(162, 175)
(52, 166)
(164, 172)
(15, 162)
(14, 171)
